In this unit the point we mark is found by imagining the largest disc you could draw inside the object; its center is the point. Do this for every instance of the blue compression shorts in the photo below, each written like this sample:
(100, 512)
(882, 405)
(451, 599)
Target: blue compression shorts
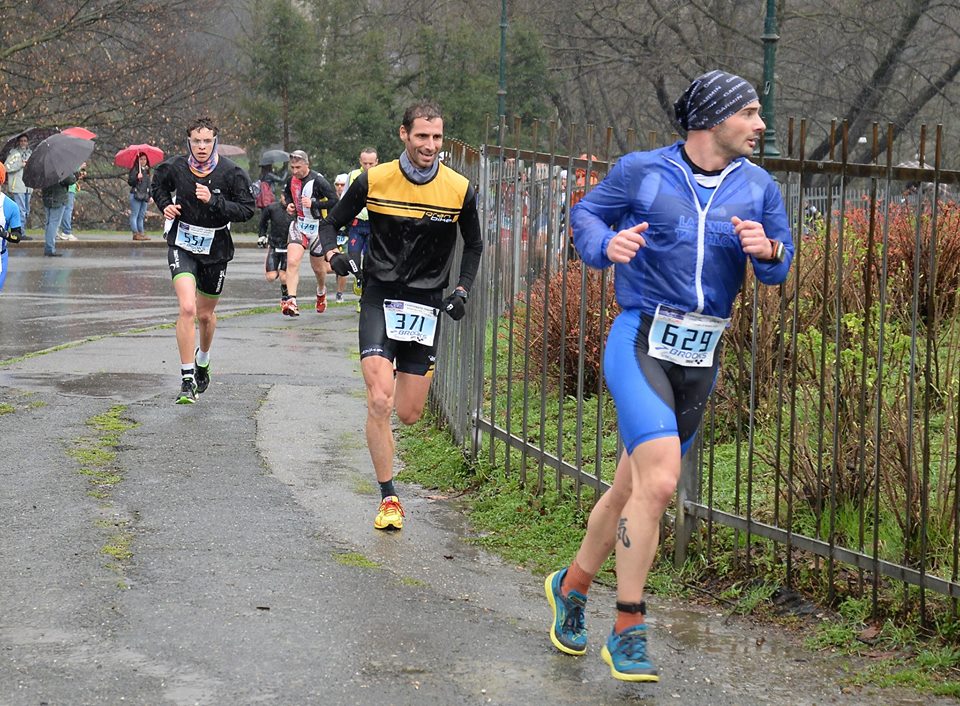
(654, 398)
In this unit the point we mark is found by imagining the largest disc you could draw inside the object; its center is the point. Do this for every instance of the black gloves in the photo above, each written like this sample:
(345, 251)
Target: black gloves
(345, 265)
(455, 304)
(11, 236)
(262, 241)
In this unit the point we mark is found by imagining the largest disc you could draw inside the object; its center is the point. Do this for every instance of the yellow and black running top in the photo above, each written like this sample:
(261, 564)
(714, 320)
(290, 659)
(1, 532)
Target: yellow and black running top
(413, 227)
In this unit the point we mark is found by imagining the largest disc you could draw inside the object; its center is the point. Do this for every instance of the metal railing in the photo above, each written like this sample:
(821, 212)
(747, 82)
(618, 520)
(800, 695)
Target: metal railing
(834, 431)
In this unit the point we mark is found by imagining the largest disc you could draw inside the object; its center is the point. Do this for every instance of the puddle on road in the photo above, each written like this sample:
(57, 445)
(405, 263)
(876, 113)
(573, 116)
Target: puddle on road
(706, 632)
(102, 291)
(123, 387)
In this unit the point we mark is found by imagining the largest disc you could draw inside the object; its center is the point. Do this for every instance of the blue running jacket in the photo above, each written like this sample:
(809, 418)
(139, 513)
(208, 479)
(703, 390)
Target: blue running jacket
(692, 260)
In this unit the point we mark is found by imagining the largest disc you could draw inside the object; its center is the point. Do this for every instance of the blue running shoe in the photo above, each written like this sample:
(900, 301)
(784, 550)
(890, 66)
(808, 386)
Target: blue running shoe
(626, 653)
(567, 633)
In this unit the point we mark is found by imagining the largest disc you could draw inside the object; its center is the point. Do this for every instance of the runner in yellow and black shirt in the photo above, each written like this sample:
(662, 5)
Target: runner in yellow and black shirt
(416, 205)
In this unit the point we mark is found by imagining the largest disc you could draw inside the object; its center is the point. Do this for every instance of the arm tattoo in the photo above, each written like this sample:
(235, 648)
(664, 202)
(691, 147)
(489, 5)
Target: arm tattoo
(622, 535)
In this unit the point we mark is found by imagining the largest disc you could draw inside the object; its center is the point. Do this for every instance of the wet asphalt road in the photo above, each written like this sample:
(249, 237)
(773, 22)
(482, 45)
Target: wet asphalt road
(254, 574)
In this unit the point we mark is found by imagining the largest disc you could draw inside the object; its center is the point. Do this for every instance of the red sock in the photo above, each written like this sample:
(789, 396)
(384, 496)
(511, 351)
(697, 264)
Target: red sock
(576, 580)
(627, 620)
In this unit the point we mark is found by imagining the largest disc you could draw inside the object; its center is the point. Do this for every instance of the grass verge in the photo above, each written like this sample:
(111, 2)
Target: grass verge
(541, 532)
(97, 457)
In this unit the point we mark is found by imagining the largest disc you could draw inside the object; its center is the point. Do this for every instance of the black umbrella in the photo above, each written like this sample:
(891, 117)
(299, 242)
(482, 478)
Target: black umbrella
(34, 136)
(55, 159)
(274, 157)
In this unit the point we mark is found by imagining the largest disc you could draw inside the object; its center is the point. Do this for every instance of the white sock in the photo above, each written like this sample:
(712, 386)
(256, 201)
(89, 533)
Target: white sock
(203, 358)
(319, 293)
(186, 372)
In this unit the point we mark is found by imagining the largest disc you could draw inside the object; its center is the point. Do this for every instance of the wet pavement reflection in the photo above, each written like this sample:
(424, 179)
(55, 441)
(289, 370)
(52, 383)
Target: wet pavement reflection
(95, 291)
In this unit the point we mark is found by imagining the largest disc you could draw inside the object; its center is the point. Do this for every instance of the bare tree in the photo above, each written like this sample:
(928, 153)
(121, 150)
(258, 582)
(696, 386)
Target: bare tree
(131, 71)
(623, 63)
(126, 69)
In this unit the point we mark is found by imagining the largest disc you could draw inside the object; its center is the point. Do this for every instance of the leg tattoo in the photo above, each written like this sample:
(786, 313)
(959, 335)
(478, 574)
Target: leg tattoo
(622, 535)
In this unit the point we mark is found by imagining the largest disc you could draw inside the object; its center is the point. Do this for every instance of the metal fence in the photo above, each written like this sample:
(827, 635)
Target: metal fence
(832, 442)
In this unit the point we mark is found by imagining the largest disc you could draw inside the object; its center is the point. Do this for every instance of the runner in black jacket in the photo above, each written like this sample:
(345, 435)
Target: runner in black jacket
(273, 233)
(200, 194)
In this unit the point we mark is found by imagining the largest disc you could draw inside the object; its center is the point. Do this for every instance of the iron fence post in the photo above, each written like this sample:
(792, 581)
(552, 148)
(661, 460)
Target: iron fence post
(687, 489)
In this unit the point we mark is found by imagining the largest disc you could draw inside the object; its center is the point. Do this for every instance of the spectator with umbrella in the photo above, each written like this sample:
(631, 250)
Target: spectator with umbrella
(65, 232)
(139, 159)
(66, 225)
(53, 167)
(264, 185)
(15, 162)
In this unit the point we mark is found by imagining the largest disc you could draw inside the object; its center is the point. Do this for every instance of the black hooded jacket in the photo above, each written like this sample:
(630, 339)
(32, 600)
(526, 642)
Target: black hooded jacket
(231, 201)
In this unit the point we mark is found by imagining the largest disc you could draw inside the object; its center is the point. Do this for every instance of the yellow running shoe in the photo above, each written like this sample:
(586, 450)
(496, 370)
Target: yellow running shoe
(390, 514)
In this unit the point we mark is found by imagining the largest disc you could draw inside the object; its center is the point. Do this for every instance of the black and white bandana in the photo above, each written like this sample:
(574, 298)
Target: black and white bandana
(711, 99)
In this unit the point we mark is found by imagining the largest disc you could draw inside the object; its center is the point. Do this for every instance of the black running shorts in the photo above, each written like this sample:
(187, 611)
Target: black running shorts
(208, 276)
(276, 260)
(407, 356)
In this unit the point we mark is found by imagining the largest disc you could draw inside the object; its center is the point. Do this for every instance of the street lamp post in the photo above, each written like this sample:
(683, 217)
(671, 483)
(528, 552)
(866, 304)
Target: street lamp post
(767, 101)
(502, 90)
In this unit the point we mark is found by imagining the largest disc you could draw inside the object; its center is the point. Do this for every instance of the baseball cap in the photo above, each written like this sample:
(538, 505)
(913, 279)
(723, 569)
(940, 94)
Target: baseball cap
(341, 179)
(300, 155)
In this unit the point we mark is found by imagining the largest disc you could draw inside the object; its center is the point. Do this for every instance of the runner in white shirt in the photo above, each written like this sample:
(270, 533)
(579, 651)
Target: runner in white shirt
(309, 196)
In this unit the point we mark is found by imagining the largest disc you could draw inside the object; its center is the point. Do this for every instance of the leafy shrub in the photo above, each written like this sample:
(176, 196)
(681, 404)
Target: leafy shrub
(838, 418)
(556, 324)
(857, 428)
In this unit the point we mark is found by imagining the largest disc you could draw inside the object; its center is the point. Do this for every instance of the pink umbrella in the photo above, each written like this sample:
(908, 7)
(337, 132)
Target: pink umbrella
(80, 132)
(127, 157)
(230, 150)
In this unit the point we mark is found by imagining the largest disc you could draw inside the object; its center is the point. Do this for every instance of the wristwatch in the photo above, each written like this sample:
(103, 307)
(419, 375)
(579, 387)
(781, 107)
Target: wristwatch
(779, 252)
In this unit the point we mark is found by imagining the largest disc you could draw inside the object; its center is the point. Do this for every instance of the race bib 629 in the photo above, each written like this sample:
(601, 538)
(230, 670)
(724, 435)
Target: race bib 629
(684, 339)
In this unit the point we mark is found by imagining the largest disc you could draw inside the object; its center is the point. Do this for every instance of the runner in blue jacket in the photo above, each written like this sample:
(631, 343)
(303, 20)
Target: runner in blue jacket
(692, 259)
(679, 225)
(10, 227)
